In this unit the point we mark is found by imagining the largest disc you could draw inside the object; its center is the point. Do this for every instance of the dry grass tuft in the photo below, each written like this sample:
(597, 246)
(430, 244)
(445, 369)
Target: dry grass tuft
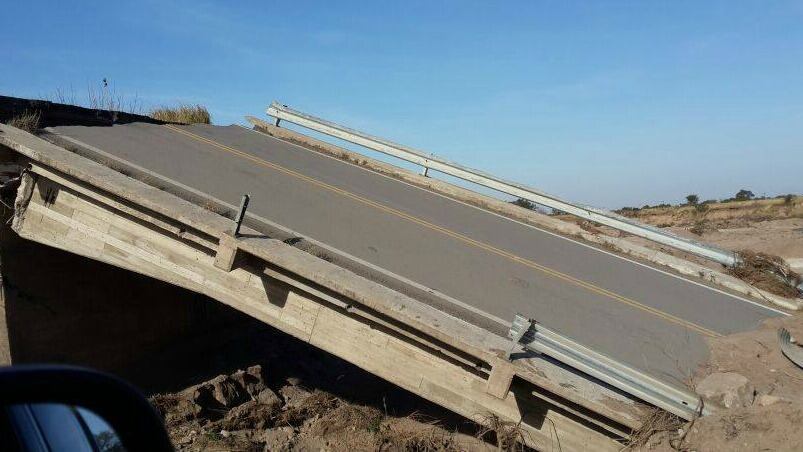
(28, 121)
(657, 421)
(316, 405)
(766, 272)
(345, 416)
(418, 438)
(183, 114)
(215, 208)
(509, 435)
(700, 227)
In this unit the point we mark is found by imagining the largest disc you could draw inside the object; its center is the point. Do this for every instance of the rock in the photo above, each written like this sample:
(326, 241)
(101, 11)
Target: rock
(767, 400)
(227, 391)
(251, 380)
(728, 389)
(278, 438)
(176, 408)
(270, 398)
(203, 397)
(187, 409)
(293, 395)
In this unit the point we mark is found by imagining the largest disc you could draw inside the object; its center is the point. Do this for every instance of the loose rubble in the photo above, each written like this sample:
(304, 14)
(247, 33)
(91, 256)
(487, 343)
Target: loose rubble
(727, 389)
(240, 412)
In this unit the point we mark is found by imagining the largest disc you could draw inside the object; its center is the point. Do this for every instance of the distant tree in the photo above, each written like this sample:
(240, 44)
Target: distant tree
(692, 200)
(527, 204)
(744, 195)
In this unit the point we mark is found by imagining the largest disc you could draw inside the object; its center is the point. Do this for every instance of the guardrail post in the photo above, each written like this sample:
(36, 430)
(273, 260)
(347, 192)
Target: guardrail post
(425, 171)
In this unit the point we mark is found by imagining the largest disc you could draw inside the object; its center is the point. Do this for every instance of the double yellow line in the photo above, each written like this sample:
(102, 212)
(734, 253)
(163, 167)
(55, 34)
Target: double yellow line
(463, 238)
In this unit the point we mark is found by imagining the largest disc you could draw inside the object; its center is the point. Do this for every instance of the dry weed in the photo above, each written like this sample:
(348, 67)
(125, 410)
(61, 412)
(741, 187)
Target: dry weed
(27, 121)
(766, 272)
(346, 416)
(103, 97)
(417, 434)
(215, 208)
(509, 435)
(183, 114)
(317, 404)
(700, 227)
(657, 421)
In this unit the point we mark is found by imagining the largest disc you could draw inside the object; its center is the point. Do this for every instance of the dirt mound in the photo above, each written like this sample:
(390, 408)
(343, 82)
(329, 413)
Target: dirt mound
(240, 412)
(719, 214)
(775, 427)
(769, 418)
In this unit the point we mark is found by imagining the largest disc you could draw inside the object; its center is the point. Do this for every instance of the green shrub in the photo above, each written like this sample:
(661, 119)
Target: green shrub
(521, 202)
(744, 195)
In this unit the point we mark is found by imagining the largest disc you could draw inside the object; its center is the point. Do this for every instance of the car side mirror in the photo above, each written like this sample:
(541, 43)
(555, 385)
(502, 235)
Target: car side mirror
(57, 408)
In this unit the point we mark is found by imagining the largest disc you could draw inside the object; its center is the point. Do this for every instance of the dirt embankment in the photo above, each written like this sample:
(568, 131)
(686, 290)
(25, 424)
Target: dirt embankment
(720, 214)
(772, 226)
(765, 228)
(287, 395)
(758, 393)
(241, 412)
(757, 390)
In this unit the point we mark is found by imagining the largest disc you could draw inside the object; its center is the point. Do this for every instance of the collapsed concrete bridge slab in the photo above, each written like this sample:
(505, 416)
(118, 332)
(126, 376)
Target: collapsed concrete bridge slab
(74, 204)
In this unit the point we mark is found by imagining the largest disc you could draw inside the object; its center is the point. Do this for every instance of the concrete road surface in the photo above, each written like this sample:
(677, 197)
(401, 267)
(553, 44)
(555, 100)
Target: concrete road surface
(627, 310)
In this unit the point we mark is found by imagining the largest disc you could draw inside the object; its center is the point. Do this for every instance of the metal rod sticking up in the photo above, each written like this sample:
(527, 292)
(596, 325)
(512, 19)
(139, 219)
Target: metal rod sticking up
(238, 221)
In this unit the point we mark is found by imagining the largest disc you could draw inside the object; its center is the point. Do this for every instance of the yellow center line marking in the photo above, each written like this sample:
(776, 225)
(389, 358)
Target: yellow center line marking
(526, 262)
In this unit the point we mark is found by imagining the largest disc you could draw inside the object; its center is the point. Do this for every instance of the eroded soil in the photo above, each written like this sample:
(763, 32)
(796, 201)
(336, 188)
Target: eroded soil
(277, 393)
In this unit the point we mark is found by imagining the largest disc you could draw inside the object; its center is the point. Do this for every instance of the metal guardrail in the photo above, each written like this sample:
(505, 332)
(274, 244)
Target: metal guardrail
(534, 337)
(428, 161)
(791, 350)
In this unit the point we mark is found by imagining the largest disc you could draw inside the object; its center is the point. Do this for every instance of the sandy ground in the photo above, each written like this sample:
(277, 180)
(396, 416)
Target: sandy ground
(770, 413)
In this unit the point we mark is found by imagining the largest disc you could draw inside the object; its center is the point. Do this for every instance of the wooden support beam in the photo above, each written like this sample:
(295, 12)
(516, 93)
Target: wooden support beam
(501, 377)
(226, 252)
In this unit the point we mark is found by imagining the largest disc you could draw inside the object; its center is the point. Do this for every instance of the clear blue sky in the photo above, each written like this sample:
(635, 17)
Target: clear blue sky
(607, 103)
